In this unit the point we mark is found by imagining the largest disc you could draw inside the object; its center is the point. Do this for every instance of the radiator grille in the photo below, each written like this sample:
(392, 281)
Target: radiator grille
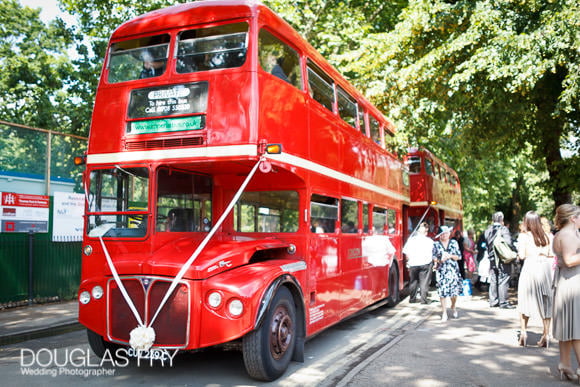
(164, 143)
(171, 325)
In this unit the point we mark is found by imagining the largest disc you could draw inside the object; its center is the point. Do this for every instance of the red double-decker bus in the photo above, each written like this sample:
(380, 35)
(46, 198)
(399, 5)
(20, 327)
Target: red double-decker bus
(435, 193)
(238, 189)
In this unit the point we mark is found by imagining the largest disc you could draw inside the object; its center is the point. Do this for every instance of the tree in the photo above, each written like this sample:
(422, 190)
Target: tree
(36, 90)
(489, 85)
(34, 66)
(495, 78)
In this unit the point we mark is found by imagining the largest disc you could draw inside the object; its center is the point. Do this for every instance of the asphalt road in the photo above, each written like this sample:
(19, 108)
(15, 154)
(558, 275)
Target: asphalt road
(403, 346)
(67, 360)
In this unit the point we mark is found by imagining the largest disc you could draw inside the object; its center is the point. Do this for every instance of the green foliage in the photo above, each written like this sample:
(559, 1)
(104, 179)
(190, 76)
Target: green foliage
(485, 84)
(490, 86)
(34, 66)
(337, 28)
(36, 89)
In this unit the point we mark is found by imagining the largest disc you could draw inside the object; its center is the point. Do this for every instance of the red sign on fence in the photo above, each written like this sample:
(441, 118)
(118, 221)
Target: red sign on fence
(23, 212)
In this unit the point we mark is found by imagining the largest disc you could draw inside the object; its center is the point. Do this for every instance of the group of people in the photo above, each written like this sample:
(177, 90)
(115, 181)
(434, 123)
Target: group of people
(425, 255)
(548, 284)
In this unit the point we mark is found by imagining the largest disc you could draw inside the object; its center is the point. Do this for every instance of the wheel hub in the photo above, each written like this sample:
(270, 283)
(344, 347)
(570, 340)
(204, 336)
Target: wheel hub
(281, 331)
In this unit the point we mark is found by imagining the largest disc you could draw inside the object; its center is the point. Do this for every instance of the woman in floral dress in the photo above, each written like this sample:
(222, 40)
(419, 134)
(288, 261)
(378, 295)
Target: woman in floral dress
(449, 282)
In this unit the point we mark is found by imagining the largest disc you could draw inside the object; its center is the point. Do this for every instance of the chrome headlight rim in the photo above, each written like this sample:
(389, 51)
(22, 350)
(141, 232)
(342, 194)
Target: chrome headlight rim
(235, 307)
(85, 297)
(215, 299)
(97, 292)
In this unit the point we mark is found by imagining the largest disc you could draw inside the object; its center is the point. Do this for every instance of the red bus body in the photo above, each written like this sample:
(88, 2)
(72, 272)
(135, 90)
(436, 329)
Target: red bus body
(327, 165)
(435, 193)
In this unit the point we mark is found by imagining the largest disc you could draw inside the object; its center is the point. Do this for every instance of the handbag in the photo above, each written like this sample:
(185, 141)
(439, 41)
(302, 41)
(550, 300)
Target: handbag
(502, 250)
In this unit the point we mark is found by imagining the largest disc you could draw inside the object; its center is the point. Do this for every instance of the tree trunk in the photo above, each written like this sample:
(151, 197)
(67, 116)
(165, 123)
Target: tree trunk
(549, 131)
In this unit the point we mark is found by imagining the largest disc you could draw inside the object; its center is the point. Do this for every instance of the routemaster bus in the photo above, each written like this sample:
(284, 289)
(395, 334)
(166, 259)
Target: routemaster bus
(435, 193)
(238, 190)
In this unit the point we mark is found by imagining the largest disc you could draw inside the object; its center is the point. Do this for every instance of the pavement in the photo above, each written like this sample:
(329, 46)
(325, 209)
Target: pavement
(479, 348)
(37, 320)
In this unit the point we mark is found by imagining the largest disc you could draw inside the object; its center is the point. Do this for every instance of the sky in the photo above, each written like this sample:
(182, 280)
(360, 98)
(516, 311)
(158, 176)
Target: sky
(49, 10)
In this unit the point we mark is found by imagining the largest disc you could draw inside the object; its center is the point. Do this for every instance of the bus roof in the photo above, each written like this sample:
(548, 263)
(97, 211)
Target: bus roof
(207, 11)
(180, 16)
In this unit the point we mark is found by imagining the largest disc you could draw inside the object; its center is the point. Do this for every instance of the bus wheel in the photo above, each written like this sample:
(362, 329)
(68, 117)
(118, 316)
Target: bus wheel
(101, 346)
(393, 298)
(268, 350)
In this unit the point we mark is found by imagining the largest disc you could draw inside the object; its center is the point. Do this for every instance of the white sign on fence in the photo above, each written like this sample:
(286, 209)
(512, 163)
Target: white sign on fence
(67, 216)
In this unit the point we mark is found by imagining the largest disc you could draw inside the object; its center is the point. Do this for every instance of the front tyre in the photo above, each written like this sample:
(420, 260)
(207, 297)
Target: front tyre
(268, 350)
(100, 346)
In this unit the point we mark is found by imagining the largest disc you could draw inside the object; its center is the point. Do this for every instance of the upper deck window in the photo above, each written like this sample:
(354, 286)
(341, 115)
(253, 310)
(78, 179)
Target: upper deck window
(361, 120)
(414, 163)
(321, 86)
(429, 167)
(138, 58)
(453, 179)
(375, 130)
(212, 48)
(279, 59)
(347, 107)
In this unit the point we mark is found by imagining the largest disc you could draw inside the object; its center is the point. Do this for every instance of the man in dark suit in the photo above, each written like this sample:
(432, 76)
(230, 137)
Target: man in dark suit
(499, 273)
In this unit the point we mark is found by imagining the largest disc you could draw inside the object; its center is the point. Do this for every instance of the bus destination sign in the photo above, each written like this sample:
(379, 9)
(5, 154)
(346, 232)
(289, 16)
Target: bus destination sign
(168, 101)
(167, 125)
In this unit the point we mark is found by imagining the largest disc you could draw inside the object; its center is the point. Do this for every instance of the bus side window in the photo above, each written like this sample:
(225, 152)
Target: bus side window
(321, 87)
(375, 130)
(391, 222)
(429, 167)
(361, 121)
(267, 211)
(366, 215)
(323, 214)
(279, 59)
(414, 163)
(379, 220)
(347, 107)
(349, 216)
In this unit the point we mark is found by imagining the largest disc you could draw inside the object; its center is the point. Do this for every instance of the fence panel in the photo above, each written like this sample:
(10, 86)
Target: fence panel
(56, 267)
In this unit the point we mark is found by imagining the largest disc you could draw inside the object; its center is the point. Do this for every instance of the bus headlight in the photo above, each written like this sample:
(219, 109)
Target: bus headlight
(97, 292)
(235, 307)
(214, 299)
(84, 297)
(88, 250)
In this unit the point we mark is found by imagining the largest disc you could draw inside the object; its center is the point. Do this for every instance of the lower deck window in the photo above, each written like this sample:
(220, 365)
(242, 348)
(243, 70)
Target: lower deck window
(183, 201)
(267, 211)
(323, 214)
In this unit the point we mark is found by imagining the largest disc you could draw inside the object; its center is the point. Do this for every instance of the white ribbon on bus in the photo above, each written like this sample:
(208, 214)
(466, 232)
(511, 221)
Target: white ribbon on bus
(143, 336)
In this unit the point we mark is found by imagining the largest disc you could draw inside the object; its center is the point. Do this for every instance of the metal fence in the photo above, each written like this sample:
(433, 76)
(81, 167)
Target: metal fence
(35, 269)
(32, 267)
(42, 152)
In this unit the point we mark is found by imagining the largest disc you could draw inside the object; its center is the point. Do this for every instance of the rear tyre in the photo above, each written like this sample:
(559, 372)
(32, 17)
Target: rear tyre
(268, 350)
(394, 295)
(100, 345)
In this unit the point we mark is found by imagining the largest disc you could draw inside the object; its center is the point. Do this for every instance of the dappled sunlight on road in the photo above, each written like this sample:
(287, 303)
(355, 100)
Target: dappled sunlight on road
(479, 348)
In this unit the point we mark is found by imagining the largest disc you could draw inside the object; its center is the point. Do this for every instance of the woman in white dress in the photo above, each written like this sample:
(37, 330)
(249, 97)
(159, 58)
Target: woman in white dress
(566, 313)
(535, 283)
